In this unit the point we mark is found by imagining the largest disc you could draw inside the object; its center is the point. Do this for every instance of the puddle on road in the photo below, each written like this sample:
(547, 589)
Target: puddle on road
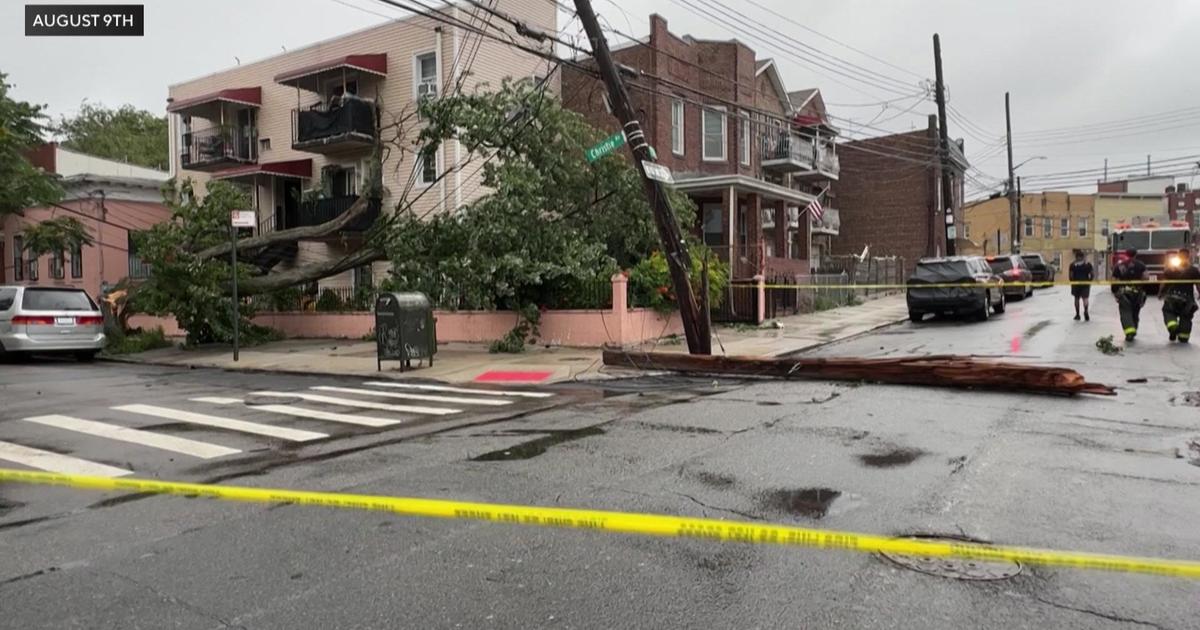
(810, 502)
(533, 448)
(892, 458)
(1037, 328)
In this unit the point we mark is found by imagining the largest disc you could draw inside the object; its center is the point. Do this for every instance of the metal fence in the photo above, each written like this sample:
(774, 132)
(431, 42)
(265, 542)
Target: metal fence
(740, 304)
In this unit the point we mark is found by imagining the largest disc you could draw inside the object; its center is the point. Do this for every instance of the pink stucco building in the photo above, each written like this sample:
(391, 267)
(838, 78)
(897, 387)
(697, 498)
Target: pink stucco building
(112, 199)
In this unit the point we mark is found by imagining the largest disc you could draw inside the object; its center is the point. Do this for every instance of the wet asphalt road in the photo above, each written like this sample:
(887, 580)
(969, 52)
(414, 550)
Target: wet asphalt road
(1096, 474)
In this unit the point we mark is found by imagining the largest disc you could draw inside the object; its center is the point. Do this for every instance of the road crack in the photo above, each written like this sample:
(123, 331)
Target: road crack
(717, 507)
(1102, 615)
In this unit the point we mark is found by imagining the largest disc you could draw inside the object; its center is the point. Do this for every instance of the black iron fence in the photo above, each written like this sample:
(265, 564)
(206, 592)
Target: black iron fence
(740, 304)
(218, 144)
(352, 119)
(316, 212)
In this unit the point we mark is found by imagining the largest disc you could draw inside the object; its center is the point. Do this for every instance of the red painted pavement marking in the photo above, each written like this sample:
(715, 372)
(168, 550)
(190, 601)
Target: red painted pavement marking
(501, 376)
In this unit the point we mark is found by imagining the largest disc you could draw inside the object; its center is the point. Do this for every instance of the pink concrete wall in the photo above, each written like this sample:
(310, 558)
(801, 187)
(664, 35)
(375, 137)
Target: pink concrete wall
(585, 329)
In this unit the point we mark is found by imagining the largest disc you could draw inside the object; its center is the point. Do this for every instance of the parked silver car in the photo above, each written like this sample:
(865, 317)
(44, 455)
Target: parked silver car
(50, 320)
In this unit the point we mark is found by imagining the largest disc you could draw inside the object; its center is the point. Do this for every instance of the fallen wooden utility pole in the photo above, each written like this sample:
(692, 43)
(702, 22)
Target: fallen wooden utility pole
(933, 371)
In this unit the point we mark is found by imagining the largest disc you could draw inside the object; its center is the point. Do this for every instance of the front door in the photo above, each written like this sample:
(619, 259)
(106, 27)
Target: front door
(287, 204)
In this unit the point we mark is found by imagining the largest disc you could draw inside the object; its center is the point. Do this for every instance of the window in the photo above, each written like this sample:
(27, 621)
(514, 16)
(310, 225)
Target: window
(1082, 224)
(425, 75)
(363, 277)
(744, 139)
(742, 234)
(428, 165)
(7, 296)
(714, 136)
(1047, 227)
(33, 268)
(18, 258)
(713, 225)
(1104, 227)
(967, 230)
(676, 127)
(1028, 226)
(77, 262)
(1064, 227)
(58, 265)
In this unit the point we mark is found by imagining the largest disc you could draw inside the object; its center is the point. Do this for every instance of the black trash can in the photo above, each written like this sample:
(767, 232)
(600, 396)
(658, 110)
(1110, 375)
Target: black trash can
(404, 329)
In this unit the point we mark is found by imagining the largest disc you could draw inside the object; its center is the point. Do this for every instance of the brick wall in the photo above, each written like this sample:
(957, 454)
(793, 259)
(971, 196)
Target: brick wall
(888, 201)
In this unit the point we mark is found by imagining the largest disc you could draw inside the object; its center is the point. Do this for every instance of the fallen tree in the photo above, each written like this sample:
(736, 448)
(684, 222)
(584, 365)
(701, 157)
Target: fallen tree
(933, 371)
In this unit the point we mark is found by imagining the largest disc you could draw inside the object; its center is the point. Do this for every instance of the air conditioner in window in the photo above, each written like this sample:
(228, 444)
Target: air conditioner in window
(427, 89)
(793, 213)
(768, 218)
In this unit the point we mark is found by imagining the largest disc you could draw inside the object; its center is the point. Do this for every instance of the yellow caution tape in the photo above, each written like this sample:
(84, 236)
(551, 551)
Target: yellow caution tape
(624, 522)
(963, 285)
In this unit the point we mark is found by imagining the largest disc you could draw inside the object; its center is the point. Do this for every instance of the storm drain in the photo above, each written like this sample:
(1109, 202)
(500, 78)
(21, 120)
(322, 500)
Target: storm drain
(955, 568)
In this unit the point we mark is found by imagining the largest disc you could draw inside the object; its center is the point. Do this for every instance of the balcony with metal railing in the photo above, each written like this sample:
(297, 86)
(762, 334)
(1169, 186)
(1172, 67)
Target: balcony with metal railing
(340, 127)
(218, 148)
(786, 152)
(829, 223)
(825, 165)
(324, 210)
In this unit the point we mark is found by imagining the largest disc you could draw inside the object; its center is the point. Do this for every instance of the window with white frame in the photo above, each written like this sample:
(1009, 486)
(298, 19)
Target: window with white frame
(425, 76)
(1103, 227)
(677, 127)
(427, 166)
(744, 139)
(1083, 226)
(1047, 227)
(715, 143)
(77, 262)
(1064, 227)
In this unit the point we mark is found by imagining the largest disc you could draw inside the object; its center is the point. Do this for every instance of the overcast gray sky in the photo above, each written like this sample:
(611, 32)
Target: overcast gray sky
(1066, 62)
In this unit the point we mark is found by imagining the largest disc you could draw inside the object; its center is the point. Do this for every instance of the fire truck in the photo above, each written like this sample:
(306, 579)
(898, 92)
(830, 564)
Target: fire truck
(1157, 246)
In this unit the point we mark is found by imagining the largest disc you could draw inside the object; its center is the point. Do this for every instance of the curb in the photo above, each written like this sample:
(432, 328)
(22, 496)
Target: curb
(789, 353)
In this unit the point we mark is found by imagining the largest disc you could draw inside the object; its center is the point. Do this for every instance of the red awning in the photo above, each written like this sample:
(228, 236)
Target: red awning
(372, 64)
(290, 168)
(251, 96)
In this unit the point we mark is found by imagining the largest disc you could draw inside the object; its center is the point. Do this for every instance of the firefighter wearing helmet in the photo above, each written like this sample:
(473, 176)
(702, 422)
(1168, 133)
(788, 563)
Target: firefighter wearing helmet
(1179, 295)
(1130, 295)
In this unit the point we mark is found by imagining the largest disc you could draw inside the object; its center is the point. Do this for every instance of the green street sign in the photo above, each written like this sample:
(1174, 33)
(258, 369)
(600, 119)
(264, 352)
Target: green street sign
(606, 146)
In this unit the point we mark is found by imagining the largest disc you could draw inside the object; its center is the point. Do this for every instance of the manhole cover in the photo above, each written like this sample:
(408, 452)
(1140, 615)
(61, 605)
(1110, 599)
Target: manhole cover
(955, 568)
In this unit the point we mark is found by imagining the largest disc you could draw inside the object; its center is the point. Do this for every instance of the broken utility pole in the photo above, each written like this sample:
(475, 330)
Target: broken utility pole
(699, 338)
(931, 371)
(944, 141)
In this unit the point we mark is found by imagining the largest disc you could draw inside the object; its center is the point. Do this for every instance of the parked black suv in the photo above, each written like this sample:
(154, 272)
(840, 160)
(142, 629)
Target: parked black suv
(1043, 272)
(980, 291)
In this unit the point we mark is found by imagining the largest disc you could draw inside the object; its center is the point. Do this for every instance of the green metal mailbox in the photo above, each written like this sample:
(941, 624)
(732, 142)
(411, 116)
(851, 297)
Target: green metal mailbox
(404, 329)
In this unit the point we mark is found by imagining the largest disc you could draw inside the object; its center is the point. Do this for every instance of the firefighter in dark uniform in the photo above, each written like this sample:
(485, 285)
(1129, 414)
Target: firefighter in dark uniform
(1130, 297)
(1179, 297)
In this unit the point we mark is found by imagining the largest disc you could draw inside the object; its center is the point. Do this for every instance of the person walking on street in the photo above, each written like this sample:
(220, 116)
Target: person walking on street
(1179, 297)
(1130, 297)
(1081, 271)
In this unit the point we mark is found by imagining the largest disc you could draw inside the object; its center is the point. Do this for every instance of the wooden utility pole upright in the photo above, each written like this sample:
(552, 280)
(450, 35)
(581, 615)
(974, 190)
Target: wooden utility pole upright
(944, 138)
(1012, 190)
(699, 339)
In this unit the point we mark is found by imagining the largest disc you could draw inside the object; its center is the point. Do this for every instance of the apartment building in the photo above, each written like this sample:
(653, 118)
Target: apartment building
(295, 130)
(1183, 202)
(890, 195)
(724, 123)
(113, 200)
(1053, 224)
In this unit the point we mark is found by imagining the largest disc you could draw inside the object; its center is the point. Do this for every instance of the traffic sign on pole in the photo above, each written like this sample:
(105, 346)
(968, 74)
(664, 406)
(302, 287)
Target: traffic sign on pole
(606, 146)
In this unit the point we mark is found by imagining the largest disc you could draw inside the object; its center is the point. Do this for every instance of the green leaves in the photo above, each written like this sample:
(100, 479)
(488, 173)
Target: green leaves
(21, 129)
(126, 133)
(59, 234)
(553, 221)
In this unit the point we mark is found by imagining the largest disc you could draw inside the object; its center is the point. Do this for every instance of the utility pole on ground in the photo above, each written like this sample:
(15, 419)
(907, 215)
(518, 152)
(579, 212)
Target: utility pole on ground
(1012, 191)
(699, 338)
(944, 140)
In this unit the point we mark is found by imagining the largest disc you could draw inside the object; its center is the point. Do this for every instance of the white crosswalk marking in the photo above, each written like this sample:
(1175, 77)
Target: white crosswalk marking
(283, 433)
(457, 400)
(203, 450)
(56, 463)
(459, 390)
(363, 404)
(366, 421)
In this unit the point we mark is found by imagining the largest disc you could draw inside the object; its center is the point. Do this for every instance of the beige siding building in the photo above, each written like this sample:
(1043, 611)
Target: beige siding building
(288, 125)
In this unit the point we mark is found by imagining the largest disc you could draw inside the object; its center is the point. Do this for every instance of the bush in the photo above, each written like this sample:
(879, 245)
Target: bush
(526, 331)
(140, 341)
(330, 301)
(650, 280)
(285, 299)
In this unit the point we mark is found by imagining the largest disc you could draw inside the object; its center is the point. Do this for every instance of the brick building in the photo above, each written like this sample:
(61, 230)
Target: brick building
(1182, 204)
(723, 122)
(889, 195)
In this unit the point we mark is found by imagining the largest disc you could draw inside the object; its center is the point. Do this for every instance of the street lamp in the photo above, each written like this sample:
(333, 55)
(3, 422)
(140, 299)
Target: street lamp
(1015, 200)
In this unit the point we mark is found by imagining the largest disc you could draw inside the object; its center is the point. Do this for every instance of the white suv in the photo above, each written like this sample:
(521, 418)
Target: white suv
(50, 320)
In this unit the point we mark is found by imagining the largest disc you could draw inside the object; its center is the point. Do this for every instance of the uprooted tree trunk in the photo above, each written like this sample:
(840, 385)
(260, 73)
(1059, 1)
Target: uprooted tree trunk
(310, 272)
(935, 371)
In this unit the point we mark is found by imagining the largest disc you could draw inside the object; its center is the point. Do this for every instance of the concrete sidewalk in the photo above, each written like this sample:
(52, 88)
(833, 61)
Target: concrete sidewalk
(472, 363)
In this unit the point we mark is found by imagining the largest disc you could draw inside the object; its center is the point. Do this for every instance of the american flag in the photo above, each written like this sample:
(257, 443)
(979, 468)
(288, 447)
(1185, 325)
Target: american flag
(815, 208)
